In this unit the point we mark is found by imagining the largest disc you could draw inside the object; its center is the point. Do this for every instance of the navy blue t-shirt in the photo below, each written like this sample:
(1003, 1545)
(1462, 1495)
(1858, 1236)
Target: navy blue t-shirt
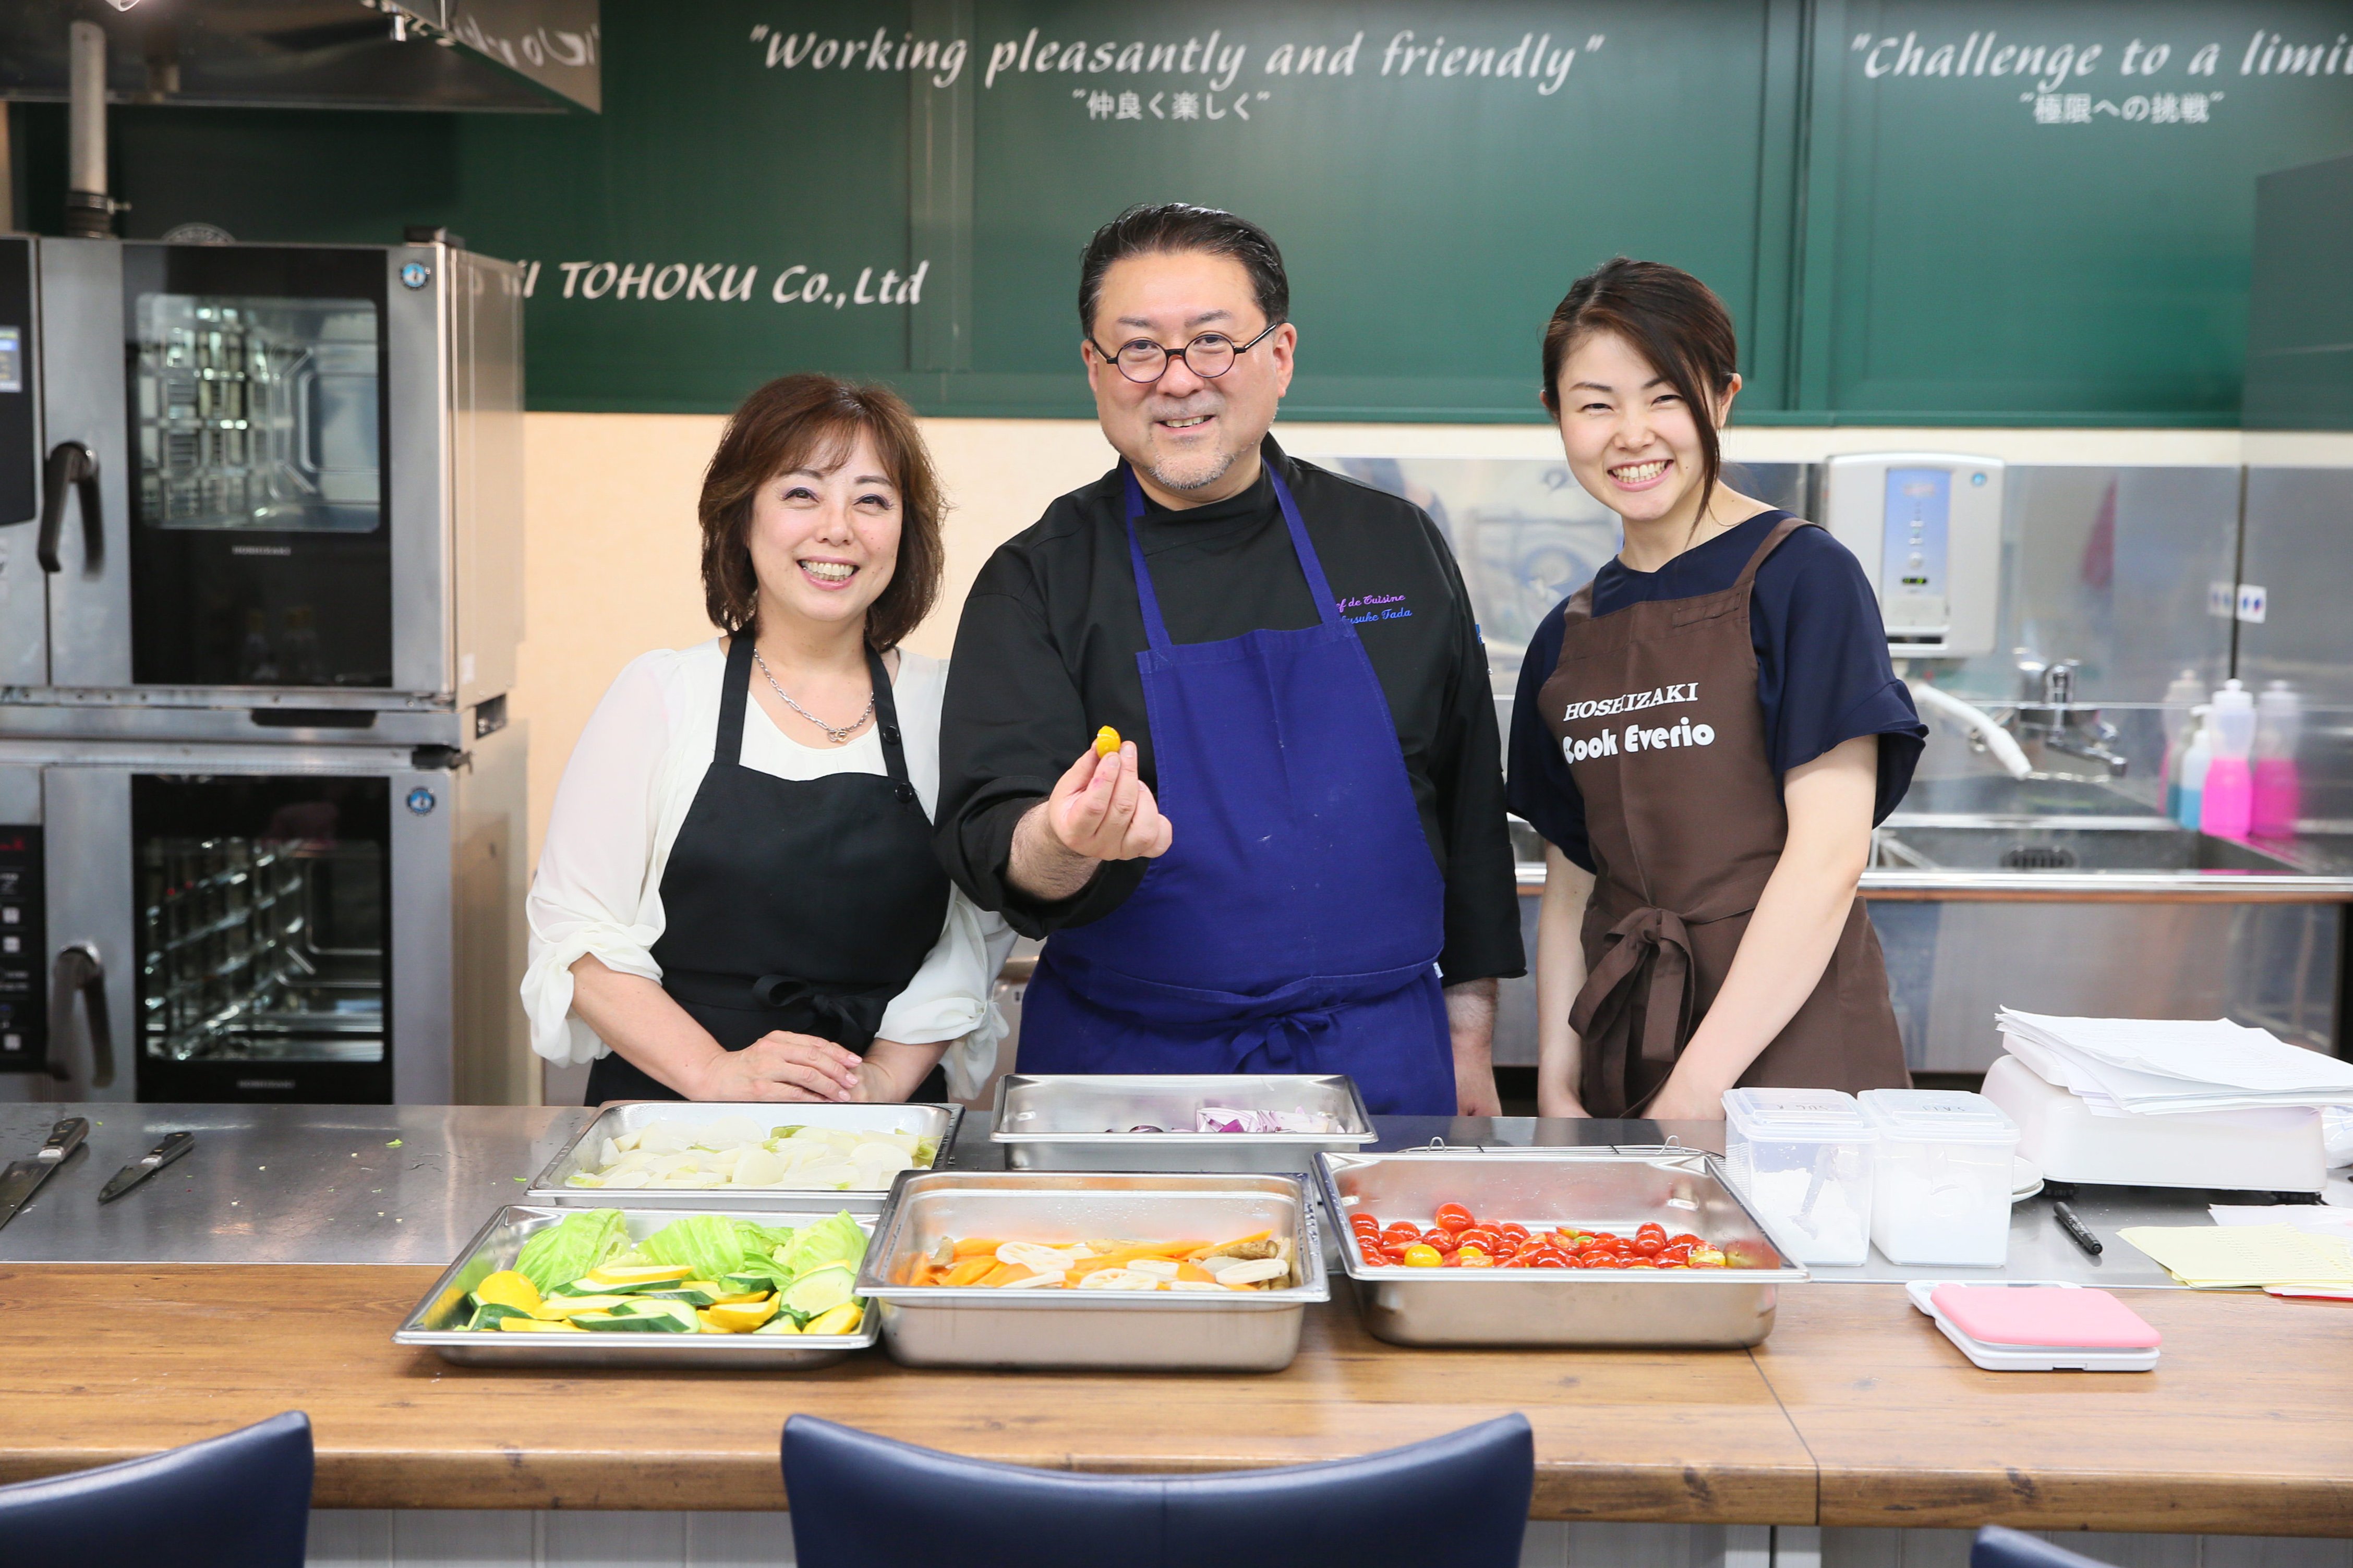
(1822, 670)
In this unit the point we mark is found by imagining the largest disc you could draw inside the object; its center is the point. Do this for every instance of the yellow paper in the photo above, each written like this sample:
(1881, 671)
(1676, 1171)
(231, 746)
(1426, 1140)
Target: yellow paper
(2221, 1257)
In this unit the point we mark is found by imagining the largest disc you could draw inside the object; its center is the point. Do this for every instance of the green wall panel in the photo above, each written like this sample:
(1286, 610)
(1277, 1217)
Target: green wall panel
(1901, 236)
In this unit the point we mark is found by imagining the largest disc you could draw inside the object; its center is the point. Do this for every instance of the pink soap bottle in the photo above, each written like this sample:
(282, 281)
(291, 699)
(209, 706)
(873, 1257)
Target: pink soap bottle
(2226, 807)
(2279, 793)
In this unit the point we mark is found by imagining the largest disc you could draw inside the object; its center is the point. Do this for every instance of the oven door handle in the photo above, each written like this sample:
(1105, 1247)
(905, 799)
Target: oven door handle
(80, 969)
(71, 467)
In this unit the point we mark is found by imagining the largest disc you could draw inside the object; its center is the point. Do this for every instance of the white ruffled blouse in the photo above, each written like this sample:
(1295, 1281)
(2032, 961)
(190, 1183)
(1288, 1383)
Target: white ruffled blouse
(618, 811)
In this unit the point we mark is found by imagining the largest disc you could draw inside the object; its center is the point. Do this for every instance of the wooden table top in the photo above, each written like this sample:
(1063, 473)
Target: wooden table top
(1855, 1411)
(2245, 1427)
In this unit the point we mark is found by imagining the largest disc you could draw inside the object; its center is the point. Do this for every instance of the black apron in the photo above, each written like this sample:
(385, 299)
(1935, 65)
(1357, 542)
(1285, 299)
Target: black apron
(799, 905)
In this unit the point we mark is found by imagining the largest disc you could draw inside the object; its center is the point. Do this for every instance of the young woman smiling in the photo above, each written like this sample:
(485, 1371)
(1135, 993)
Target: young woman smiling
(1706, 736)
(738, 895)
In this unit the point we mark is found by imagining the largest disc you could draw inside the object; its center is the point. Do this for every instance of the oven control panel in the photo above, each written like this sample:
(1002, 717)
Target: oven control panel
(23, 1004)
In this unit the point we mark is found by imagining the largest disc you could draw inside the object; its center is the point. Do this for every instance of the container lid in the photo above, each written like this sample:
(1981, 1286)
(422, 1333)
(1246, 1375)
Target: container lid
(1944, 1115)
(1796, 1113)
(2043, 1315)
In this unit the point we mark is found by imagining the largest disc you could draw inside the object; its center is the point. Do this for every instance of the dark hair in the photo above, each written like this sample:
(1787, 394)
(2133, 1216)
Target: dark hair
(1172, 228)
(811, 421)
(1674, 321)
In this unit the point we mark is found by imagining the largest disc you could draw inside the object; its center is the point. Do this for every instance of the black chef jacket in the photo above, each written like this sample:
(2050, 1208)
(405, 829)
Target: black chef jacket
(1046, 654)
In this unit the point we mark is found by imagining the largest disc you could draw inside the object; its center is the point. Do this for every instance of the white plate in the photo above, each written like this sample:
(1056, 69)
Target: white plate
(2025, 1178)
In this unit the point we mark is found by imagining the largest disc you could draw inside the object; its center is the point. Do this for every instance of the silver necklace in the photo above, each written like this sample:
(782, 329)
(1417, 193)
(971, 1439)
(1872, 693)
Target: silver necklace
(839, 734)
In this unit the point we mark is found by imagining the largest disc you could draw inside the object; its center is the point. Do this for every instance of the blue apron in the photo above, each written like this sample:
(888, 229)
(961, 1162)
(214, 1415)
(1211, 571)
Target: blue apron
(1295, 922)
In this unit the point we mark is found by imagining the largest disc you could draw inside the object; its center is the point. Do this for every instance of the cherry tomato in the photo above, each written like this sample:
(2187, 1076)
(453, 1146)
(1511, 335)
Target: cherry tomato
(1420, 1257)
(1650, 1246)
(1451, 1260)
(1512, 1228)
(1441, 1238)
(1684, 1239)
(1641, 1263)
(1544, 1260)
(1705, 1260)
(1515, 1262)
(1486, 1241)
(1396, 1250)
(1453, 1217)
(1471, 1257)
(1362, 1222)
(1674, 1252)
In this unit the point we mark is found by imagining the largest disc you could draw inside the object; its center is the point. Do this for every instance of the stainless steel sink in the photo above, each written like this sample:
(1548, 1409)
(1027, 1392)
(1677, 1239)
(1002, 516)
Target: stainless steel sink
(2138, 844)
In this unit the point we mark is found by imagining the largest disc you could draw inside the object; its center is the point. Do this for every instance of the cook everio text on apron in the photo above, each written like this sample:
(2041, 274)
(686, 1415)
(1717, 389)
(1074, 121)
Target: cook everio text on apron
(799, 905)
(1295, 924)
(1656, 706)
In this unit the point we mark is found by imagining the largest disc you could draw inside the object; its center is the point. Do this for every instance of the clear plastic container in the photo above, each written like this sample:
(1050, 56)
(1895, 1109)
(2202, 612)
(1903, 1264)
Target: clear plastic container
(1802, 1158)
(1941, 1198)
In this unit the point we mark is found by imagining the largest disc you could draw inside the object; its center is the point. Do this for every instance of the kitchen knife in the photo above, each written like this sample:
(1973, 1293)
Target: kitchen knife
(173, 1146)
(23, 1178)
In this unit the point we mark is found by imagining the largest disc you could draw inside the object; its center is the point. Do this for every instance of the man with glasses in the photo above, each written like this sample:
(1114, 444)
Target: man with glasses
(1295, 859)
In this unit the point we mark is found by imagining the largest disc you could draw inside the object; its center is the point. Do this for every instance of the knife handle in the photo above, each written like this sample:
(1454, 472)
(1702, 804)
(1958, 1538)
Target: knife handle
(64, 1139)
(173, 1146)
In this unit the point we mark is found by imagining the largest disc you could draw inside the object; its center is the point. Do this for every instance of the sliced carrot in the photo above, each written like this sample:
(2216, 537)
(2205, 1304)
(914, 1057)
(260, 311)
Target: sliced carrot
(1194, 1271)
(1005, 1274)
(974, 1247)
(970, 1270)
(1200, 1252)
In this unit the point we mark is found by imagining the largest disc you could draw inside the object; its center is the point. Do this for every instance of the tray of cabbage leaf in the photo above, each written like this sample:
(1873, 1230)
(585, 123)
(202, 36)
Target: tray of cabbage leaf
(548, 1286)
(672, 1155)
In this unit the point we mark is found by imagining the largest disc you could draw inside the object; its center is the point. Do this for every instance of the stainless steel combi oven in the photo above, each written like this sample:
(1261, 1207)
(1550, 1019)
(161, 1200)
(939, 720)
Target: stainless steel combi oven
(210, 921)
(247, 478)
(261, 813)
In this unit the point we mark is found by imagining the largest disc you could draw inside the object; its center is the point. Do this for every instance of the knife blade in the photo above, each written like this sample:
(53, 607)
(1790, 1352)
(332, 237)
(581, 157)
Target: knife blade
(173, 1146)
(23, 1178)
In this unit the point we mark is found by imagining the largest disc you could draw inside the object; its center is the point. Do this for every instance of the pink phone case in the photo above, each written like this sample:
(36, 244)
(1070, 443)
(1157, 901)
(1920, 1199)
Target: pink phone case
(2044, 1315)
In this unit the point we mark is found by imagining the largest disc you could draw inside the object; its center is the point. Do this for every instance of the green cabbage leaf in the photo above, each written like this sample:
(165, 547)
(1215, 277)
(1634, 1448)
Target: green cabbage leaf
(565, 1251)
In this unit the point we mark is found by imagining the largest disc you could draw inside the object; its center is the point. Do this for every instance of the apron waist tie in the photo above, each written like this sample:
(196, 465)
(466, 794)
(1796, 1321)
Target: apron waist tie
(843, 1015)
(1313, 1001)
(1653, 940)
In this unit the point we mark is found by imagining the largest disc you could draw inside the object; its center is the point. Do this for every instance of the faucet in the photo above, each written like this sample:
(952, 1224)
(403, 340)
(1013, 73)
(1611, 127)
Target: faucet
(2047, 712)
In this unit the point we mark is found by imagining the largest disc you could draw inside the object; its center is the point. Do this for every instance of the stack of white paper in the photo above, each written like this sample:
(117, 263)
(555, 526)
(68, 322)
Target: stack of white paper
(2160, 1067)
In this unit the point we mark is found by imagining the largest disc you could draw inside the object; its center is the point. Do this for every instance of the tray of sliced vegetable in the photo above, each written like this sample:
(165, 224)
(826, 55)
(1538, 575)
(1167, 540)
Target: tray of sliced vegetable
(675, 1154)
(1024, 1269)
(548, 1286)
(1247, 1121)
(1589, 1247)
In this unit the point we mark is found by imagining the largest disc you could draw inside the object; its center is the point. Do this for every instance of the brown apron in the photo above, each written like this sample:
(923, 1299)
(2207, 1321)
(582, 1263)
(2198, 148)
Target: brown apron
(1656, 708)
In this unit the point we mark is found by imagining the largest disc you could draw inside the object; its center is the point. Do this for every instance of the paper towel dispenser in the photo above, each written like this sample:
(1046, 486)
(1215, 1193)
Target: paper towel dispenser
(1927, 528)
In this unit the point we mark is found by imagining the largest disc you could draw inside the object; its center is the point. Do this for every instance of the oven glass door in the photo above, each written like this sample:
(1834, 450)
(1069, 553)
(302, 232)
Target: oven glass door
(263, 906)
(260, 499)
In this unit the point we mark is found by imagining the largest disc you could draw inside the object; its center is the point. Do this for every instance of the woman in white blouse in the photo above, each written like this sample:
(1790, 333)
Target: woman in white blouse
(738, 898)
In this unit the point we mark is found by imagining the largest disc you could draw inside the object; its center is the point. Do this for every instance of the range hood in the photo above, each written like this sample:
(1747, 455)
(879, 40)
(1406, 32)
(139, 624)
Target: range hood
(511, 55)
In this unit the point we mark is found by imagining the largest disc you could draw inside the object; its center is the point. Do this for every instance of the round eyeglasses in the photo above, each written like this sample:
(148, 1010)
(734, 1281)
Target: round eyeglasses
(1209, 356)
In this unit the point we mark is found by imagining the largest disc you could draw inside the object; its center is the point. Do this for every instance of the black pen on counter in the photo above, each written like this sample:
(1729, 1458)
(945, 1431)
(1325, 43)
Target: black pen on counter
(2077, 1231)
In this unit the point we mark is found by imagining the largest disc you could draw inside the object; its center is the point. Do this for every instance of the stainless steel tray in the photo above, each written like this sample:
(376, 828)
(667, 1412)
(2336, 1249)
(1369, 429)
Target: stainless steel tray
(496, 1247)
(931, 1325)
(1604, 1189)
(1057, 1123)
(939, 1121)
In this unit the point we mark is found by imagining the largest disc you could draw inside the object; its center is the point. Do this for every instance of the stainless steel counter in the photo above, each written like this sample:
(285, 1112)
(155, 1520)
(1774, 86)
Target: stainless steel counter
(411, 1185)
(280, 1183)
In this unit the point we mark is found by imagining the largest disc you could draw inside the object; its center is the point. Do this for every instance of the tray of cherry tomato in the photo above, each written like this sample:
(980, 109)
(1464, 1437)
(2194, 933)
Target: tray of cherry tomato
(1457, 1238)
(1573, 1247)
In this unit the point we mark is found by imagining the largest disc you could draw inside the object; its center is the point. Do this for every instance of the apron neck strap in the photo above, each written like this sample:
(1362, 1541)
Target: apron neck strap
(886, 721)
(1319, 588)
(1781, 531)
(727, 746)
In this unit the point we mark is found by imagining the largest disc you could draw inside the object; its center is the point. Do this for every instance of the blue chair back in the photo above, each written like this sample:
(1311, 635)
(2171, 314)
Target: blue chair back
(1999, 1548)
(858, 1500)
(242, 1500)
